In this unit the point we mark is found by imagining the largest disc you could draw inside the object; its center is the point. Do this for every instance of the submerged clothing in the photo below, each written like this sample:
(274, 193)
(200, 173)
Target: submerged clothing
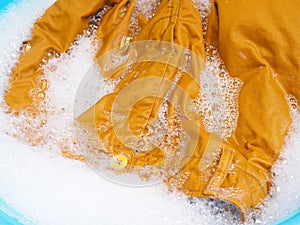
(258, 43)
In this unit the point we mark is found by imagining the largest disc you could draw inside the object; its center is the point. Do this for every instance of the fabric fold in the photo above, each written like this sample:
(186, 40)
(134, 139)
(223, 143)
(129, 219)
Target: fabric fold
(147, 120)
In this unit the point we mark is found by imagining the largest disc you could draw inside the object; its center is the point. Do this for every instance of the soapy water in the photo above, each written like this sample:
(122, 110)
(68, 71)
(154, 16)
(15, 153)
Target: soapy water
(50, 189)
(161, 131)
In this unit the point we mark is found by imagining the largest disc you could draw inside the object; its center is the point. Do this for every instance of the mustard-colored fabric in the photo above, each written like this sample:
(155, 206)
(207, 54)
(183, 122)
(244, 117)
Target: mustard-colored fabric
(259, 43)
(56, 30)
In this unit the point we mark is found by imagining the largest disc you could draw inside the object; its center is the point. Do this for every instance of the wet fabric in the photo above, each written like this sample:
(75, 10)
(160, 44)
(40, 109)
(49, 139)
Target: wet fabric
(258, 43)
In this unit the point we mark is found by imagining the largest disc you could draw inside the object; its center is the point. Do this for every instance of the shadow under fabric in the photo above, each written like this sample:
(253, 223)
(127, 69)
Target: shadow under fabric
(266, 33)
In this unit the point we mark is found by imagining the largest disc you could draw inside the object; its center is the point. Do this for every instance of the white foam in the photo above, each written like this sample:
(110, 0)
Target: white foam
(217, 102)
(285, 197)
(53, 190)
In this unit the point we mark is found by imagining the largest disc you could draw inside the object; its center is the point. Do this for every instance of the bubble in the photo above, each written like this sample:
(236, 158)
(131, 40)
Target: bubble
(217, 102)
(53, 127)
(147, 7)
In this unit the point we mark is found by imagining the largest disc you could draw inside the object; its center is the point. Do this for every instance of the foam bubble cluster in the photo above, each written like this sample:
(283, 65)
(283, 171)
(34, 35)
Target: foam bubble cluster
(218, 99)
(147, 7)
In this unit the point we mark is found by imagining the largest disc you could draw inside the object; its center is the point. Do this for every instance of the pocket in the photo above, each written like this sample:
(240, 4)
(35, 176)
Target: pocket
(222, 169)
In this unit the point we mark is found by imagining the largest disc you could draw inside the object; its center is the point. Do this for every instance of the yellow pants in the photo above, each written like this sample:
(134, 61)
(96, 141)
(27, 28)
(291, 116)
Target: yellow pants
(259, 44)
